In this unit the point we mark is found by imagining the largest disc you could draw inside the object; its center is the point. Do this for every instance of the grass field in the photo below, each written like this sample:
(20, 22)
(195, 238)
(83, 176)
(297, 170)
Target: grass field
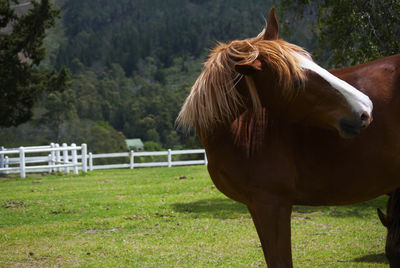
(166, 217)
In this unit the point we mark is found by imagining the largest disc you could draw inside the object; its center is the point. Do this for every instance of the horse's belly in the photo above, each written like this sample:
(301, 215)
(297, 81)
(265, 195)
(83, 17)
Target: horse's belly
(347, 188)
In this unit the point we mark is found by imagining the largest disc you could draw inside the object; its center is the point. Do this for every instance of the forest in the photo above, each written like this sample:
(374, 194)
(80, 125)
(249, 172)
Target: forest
(132, 63)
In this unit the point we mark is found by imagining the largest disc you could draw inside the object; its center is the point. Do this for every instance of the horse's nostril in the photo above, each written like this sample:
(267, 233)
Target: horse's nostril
(364, 117)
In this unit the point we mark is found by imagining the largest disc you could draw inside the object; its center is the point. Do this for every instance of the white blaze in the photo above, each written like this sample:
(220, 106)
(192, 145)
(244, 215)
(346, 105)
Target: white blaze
(358, 100)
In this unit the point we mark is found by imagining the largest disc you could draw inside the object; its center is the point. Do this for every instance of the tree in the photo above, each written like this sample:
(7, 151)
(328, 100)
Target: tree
(21, 51)
(348, 32)
(59, 109)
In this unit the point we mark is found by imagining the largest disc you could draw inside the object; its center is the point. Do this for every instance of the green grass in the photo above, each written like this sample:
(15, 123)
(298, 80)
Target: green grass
(154, 218)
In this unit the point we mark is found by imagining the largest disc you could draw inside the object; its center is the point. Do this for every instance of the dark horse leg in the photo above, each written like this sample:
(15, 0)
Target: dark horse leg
(273, 227)
(391, 221)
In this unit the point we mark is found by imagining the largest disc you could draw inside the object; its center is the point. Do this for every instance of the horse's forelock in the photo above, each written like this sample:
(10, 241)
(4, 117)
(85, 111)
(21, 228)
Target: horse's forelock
(283, 59)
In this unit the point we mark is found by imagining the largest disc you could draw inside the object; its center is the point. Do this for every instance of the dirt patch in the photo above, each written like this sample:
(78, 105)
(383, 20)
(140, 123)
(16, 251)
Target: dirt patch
(97, 230)
(14, 204)
(157, 214)
(133, 217)
(59, 211)
(183, 178)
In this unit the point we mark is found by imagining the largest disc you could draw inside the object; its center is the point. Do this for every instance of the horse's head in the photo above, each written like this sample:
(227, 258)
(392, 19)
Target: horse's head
(391, 221)
(278, 76)
(293, 87)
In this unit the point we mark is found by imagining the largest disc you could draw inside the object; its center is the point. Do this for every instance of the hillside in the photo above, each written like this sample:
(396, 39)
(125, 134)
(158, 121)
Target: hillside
(132, 63)
(100, 33)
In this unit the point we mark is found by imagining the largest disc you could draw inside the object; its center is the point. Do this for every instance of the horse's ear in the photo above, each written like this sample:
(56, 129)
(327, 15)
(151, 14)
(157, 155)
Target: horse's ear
(272, 29)
(249, 68)
(383, 217)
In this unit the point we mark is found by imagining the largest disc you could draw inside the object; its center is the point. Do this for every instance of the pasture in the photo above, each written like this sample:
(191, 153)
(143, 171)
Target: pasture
(166, 217)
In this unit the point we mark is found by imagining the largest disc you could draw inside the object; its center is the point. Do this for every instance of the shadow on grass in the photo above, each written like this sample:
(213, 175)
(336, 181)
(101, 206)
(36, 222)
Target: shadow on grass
(213, 208)
(225, 208)
(372, 258)
(357, 210)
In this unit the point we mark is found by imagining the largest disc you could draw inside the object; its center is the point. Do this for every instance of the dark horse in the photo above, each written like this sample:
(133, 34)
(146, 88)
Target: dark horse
(269, 118)
(391, 220)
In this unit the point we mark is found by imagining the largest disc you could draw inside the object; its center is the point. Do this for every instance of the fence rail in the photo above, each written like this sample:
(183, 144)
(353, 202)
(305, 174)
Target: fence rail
(66, 158)
(132, 154)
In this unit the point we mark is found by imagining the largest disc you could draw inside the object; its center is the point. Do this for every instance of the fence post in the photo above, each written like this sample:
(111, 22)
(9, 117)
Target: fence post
(58, 157)
(2, 158)
(50, 162)
(205, 159)
(22, 162)
(169, 158)
(132, 160)
(74, 158)
(6, 164)
(52, 158)
(84, 157)
(65, 157)
(90, 161)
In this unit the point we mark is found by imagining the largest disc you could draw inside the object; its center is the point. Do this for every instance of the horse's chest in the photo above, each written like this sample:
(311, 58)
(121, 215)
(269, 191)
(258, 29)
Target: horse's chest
(247, 178)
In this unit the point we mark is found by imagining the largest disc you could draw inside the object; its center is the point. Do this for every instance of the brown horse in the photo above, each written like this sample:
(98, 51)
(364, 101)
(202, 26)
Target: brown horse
(391, 220)
(269, 118)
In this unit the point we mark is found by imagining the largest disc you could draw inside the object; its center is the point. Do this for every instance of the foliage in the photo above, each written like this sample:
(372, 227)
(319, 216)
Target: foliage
(166, 217)
(21, 51)
(100, 136)
(152, 146)
(103, 32)
(138, 106)
(348, 32)
(58, 109)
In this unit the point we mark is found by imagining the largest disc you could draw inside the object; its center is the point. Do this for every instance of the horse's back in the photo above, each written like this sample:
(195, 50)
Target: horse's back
(379, 79)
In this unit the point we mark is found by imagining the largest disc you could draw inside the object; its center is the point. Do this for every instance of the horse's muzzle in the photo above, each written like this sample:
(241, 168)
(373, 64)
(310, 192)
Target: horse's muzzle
(349, 128)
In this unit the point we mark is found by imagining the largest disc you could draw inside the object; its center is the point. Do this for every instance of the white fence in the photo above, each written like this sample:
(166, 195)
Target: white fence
(168, 163)
(66, 158)
(60, 158)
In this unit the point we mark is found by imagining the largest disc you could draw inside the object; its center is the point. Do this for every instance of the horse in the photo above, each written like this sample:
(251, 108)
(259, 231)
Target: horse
(391, 220)
(279, 130)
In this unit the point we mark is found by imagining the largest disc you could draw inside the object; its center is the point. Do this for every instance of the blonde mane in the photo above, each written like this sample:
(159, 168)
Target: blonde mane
(214, 99)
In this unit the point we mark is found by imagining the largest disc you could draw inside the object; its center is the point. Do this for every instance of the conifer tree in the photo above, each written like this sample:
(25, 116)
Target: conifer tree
(21, 51)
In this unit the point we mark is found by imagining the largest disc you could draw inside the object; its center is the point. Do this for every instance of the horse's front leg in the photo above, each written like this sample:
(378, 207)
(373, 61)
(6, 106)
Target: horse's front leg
(272, 222)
